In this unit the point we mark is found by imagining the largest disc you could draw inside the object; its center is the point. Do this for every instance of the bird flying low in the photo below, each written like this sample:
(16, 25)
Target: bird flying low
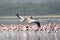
(29, 19)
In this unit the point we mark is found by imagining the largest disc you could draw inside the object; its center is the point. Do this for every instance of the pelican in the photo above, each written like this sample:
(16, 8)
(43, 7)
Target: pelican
(29, 20)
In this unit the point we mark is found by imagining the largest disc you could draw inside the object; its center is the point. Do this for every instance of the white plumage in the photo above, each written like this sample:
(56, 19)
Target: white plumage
(29, 20)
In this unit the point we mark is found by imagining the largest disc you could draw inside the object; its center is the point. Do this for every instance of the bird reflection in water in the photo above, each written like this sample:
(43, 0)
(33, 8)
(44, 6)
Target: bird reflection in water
(37, 37)
(29, 35)
(25, 35)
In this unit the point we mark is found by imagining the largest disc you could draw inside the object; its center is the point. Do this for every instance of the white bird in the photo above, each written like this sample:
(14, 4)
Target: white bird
(29, 20)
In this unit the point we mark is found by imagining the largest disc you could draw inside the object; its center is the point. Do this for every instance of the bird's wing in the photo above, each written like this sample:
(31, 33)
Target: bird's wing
(20, 17)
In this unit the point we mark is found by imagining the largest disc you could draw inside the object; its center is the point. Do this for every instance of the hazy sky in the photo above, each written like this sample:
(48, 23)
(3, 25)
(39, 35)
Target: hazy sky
(24, 1)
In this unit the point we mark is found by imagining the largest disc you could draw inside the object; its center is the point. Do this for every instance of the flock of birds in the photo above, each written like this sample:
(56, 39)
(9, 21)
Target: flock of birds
(33, 24)
(32, 27)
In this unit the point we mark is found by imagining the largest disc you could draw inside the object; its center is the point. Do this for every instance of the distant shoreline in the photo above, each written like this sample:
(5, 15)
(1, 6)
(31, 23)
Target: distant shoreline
(43, 16)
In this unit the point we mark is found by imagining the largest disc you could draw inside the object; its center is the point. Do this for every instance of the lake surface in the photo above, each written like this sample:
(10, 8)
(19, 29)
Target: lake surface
(15, 20)
(13, 7)
(28, 35)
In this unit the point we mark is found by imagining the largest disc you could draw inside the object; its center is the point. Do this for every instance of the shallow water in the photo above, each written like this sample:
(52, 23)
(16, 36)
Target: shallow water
(28, 35)
(16, 20)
